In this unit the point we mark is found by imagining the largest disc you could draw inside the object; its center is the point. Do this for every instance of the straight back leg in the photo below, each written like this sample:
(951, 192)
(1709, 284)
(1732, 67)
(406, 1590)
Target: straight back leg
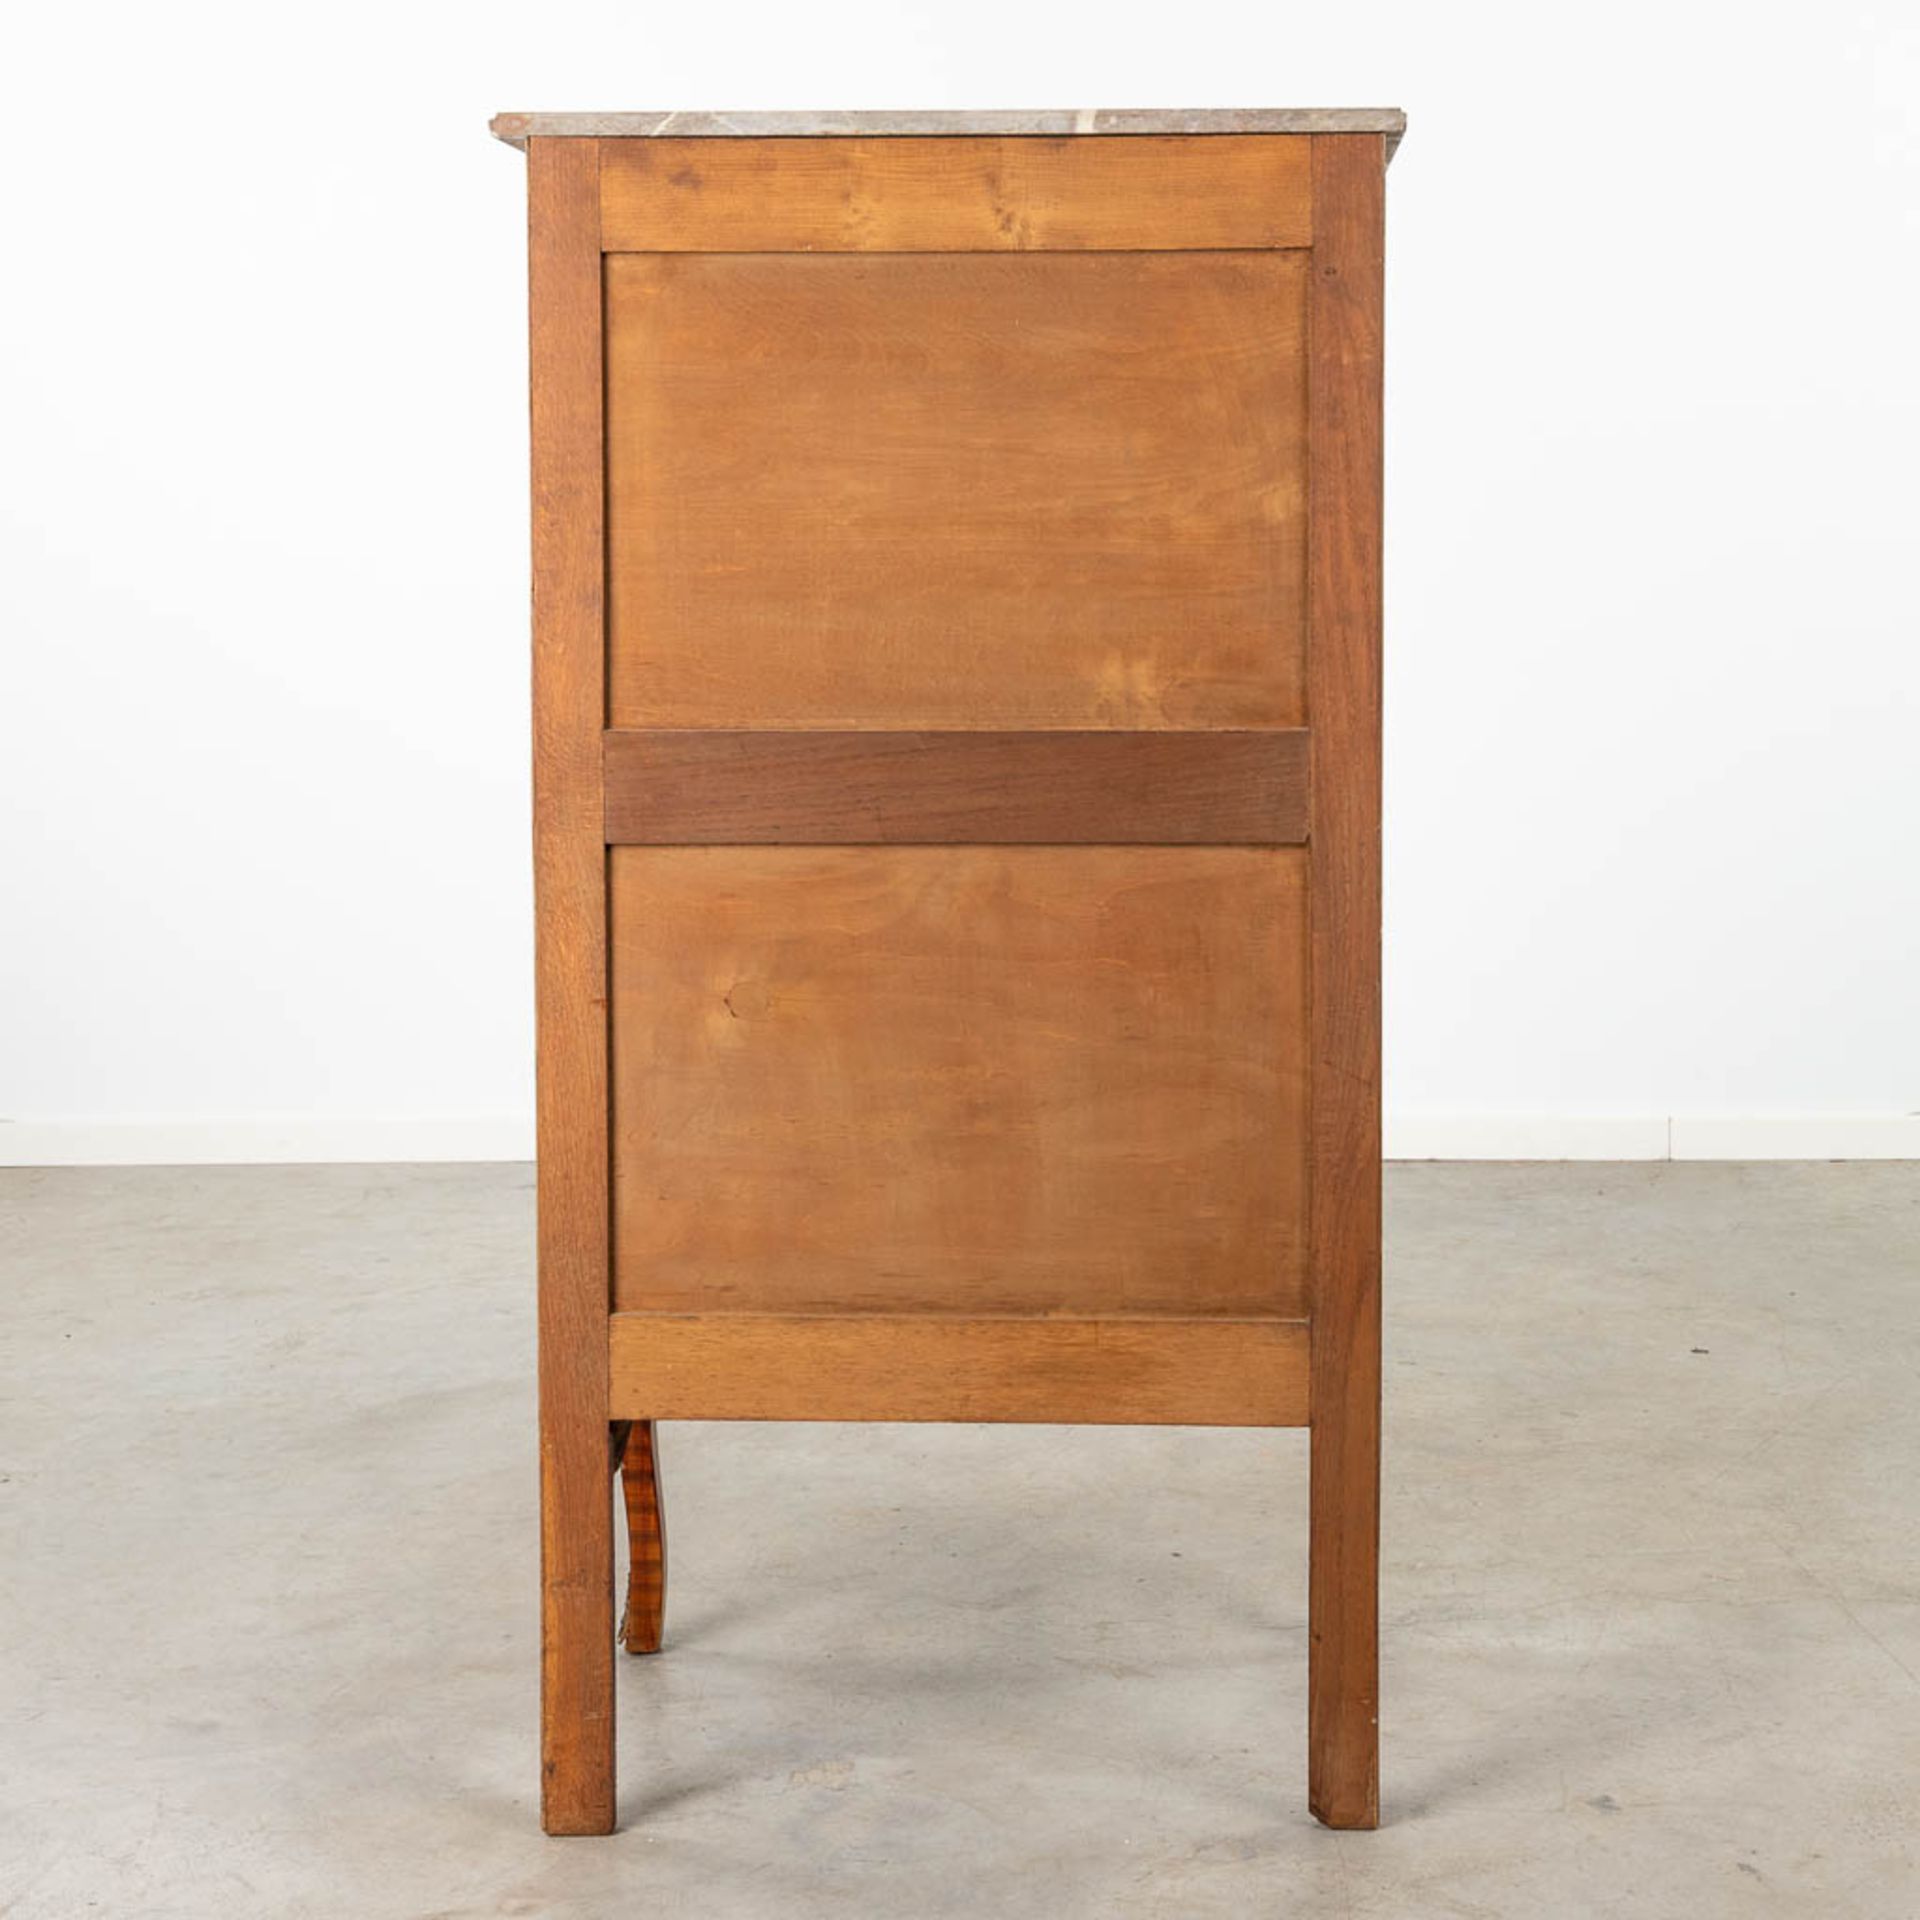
(576, 1629)
(1343, 1656)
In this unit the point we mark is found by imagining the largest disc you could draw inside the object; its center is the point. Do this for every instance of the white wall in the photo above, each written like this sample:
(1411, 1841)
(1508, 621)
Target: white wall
(1654, 684)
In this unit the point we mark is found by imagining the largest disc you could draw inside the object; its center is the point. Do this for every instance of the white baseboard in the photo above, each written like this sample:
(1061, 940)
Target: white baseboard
(279, 1139)
(1650, 1136)
(1796, 1136)
(1525, 1136)
(264, 1138)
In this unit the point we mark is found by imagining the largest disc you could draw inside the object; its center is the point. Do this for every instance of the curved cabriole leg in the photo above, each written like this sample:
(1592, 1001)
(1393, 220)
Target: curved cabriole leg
(646, 1542)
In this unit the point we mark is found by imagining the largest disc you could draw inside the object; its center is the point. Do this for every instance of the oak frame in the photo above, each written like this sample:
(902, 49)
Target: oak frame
(1345, 315)
(579, 1412)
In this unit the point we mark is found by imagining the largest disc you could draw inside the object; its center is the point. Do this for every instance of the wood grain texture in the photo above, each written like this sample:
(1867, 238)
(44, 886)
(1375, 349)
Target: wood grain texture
(702, 787)
(1241, 1373)
(1344, 676)
(929, 491)
(971, 1079)
(985, 194)
(576, 1512)
(643, 1623)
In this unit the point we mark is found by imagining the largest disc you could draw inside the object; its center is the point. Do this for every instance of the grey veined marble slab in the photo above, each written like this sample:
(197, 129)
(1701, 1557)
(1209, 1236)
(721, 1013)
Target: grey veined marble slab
(517, 128)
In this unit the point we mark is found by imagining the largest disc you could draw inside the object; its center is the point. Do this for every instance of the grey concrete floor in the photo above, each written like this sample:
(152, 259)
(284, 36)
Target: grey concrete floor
(1652, 1606)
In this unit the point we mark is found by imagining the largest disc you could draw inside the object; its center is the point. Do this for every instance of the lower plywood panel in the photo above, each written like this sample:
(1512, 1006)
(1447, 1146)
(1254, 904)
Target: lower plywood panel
(982, 1080)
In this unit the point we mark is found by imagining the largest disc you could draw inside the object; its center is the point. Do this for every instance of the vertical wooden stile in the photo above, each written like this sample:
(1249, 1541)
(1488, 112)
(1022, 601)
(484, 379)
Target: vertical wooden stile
(1343, 699)
(569, 707)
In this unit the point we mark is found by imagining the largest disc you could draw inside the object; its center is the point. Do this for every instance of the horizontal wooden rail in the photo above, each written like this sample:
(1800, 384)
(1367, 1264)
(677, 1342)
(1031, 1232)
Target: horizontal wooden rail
(979, 194)
(699, 787)
(1175, 1372)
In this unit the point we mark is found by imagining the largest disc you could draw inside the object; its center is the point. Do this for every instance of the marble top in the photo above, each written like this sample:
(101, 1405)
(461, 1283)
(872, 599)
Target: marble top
(517, 128)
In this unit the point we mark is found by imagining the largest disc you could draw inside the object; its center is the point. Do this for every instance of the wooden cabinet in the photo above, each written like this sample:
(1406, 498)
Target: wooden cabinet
(957, 774)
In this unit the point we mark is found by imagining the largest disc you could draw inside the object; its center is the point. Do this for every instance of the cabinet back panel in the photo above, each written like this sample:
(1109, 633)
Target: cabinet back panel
(959, 1079)
(956, 490)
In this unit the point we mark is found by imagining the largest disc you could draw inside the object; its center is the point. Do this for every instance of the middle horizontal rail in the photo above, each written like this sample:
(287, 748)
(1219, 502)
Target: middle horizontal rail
(700, 787)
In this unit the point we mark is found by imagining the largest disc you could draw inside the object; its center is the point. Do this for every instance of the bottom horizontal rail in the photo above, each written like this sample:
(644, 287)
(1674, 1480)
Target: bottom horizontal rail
(1158, 1372)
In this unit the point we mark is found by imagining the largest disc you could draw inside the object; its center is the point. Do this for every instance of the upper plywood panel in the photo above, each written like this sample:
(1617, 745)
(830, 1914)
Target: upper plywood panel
(972, 490)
